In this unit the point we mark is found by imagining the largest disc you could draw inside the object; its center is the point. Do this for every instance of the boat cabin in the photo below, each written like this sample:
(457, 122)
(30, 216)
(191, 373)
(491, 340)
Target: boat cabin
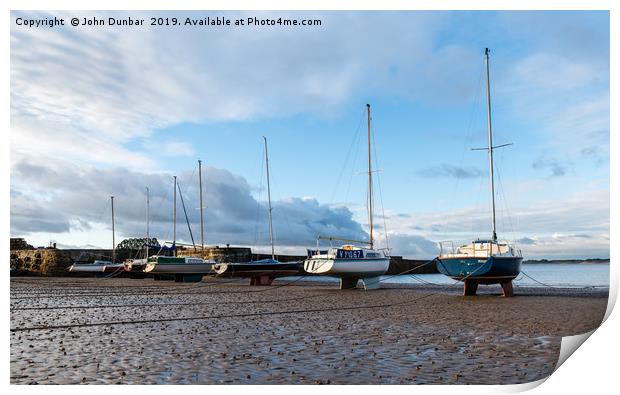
(479, 249)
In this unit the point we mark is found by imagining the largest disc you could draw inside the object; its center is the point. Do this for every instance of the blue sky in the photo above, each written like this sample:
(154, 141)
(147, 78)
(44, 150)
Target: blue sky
(129, 106)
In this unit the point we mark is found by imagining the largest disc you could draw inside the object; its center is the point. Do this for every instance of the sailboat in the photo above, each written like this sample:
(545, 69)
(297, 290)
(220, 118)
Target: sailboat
(262, 271)
(136, 266)
(483, 261)
(101, 266)
(352, 262)
(186, 268)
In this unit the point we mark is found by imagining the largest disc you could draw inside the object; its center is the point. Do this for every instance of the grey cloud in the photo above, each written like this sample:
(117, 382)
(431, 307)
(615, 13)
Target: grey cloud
(598, 153)
(556, 168)
(451, 171)
(26, 213)
(232, 215)
(526, 241)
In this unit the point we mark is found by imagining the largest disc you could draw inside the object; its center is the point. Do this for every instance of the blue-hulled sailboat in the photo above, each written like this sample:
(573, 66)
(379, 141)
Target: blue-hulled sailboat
(483, 261)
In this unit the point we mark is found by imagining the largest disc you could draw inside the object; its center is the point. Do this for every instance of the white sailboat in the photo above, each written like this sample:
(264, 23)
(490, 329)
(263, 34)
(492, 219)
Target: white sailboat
(352, 262)
(101, 266)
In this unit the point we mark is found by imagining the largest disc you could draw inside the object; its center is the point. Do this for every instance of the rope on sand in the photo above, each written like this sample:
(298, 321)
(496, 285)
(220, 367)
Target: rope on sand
(554, 286)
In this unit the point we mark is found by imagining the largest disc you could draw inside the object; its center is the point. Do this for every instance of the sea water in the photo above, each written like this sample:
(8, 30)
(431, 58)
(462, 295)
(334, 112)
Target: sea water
(570, 275)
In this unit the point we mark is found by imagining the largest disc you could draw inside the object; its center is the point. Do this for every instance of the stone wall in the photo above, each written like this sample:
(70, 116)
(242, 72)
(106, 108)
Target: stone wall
(48, 262)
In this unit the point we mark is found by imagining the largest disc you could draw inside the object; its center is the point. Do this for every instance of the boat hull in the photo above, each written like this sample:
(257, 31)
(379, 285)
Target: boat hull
(253, 269)
(347, 268)
(179, 268)
(491, 270)
(86, 268)
(114, 268)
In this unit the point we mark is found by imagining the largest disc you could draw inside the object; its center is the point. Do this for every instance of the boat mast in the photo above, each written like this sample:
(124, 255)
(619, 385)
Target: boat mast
(273, 256)
(202, 237)
(369, 180)
(174, 217)
(113, 241)
(486, 54)
(147, 223)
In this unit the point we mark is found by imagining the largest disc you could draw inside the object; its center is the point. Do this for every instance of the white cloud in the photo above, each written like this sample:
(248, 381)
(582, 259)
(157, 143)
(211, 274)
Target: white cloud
(103, 88)
(576, 225)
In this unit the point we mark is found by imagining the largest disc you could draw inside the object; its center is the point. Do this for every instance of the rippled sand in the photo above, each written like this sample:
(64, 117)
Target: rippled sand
(106, 331)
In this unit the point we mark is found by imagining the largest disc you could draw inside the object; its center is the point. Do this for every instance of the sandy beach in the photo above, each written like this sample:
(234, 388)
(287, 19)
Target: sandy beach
(128, 331)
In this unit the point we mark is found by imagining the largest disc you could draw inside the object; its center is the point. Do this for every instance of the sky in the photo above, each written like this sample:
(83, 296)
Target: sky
(109, 110)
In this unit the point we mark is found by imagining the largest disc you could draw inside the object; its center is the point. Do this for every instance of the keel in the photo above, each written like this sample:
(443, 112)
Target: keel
(348, 283)
(261, 280)
(470, 288)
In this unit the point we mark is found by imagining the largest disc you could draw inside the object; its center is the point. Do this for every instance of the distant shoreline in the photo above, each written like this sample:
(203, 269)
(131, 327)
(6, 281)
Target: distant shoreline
(591, 261)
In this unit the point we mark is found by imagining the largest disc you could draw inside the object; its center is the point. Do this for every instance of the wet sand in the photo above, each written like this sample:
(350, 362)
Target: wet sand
(128, 331)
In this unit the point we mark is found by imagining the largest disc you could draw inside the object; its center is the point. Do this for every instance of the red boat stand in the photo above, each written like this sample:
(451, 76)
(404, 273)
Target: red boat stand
(507, 288)
(471, 287)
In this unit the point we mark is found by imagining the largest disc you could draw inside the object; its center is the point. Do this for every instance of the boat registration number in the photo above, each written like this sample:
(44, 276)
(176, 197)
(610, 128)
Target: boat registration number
(350, 254)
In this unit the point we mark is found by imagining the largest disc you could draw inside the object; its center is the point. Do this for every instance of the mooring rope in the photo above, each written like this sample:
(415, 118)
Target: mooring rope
(554, 286)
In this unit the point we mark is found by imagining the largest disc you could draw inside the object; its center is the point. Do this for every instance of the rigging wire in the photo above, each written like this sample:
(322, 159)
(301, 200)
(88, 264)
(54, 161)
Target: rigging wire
(474, 114)
(257, 231)
(356, 135)
(357, 145)
(385, 228)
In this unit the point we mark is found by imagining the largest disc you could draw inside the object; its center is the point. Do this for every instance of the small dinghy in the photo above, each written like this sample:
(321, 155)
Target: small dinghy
(98, 266)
